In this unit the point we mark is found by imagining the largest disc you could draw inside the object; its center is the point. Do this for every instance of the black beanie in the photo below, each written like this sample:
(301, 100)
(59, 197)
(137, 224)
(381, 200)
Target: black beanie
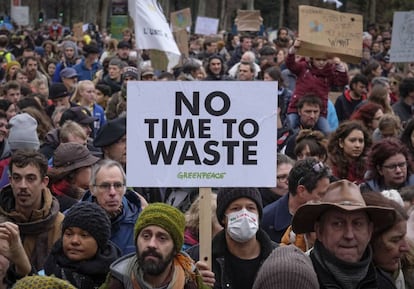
(227, 195)
(90, 217)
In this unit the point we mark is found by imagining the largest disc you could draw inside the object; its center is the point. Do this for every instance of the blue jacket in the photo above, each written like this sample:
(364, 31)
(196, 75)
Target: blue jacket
(122, 227)
(98, 112)
(374, 185)
(85, 73)
(276, 218)
(59, 67)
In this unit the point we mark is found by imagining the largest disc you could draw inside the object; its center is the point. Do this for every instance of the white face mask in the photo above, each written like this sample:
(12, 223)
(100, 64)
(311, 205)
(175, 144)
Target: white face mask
(242, 225)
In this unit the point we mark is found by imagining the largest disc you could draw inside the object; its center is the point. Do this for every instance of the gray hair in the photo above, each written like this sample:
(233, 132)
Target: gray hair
(106, 164)
(250, 55)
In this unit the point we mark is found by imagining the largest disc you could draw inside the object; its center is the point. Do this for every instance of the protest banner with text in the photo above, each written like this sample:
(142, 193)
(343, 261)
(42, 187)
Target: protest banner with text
(327, 33)
(201, 134)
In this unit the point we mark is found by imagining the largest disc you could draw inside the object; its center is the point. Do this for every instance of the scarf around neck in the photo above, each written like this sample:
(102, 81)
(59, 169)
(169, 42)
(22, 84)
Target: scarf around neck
(347, 275)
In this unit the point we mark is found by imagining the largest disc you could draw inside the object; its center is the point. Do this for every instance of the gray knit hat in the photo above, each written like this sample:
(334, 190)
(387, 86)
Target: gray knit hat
(287, 267)
(23, 132)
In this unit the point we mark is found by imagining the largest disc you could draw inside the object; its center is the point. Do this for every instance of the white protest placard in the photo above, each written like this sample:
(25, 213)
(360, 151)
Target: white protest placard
(402, 41)
(201, 134)
(206, 26)
(20, 15)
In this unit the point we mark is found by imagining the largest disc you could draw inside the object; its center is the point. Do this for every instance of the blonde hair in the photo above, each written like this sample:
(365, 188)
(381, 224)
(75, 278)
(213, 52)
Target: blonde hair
(71, 128)
(76, 97)
(390, 122)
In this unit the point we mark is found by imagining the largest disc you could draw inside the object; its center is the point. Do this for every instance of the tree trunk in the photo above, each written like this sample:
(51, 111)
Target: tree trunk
(165, 4)
(103, 19)
(372, 11)
(201, 8)
(286, 13)
(249, 4)
(222, 14)
(281, 12)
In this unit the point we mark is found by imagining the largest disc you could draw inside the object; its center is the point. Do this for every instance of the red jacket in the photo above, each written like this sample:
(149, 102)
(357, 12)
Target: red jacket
(313, 80)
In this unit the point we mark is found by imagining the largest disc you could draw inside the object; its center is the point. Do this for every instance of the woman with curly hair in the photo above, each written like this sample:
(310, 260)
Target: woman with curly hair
(369, 114)
(389, 166)
(347, 148)
(311, 143)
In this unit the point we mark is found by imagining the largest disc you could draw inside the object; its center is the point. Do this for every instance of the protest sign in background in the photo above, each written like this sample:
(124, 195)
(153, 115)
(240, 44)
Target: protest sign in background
(206, 26)
(248, 20)
(77, 30)
(402, 41)
(201, 134)
(180, 19)
(20, 14)
(327, 33)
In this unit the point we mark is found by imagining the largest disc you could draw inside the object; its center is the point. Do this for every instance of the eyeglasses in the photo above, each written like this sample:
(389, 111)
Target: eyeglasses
(118, 186)
(393, 167)
(317, 168)
(282, 178)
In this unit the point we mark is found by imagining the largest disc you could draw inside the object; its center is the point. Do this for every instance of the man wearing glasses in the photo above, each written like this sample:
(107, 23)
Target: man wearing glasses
(308, 180)
(107, 189)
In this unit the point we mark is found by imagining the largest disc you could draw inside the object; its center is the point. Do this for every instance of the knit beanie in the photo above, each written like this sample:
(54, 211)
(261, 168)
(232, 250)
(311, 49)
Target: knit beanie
(42, 282)
(70, 44)
(12, 63)
(286, 267)
(90, 217)
(165, 216)
(226, 196)
(23, 132)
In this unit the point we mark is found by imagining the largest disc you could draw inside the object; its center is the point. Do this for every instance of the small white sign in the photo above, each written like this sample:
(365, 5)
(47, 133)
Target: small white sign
(20, 15)
(402, 41)
(201, 134)
(206, 26)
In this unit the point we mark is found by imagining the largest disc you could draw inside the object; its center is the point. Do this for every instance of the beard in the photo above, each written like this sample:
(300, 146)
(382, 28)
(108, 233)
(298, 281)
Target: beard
(154, 267)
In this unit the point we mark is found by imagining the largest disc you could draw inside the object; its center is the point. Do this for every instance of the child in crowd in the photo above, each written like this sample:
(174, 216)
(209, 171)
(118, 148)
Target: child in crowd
(316, 76)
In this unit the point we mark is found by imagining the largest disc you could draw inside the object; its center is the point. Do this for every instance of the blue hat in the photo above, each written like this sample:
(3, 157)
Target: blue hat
(68, 72)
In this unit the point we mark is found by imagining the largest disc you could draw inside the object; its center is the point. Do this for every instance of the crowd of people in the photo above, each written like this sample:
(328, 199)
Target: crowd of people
(345, 169)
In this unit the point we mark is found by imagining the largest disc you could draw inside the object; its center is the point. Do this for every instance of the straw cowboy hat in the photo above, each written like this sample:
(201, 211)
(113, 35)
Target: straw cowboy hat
(342, 195)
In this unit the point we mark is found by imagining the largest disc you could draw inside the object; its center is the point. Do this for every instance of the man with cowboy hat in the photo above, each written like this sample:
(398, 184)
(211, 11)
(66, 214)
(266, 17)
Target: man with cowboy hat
(343, 224)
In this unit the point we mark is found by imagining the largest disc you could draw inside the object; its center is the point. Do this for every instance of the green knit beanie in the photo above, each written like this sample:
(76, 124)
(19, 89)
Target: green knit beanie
(42, 282)
(165, 216)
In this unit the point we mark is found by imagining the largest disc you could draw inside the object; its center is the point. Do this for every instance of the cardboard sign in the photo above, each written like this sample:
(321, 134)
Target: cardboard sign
(248, 20)
(402, 41)
(327, 33)
(159, 60)
(206, 26)
(78, 30)
(181, 19)
(201, 133)
(181, 38)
